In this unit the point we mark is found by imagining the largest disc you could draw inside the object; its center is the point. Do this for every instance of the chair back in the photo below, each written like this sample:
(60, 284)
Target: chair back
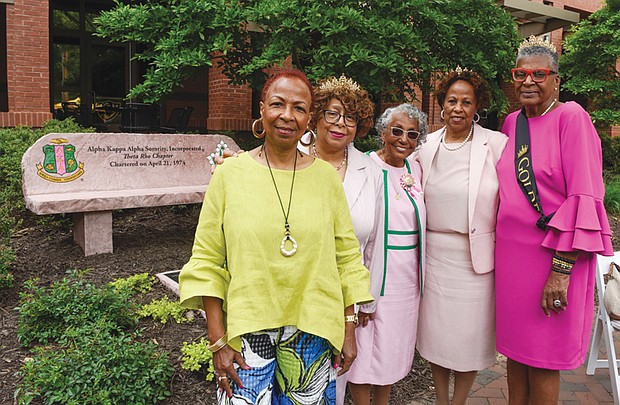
(136, 117)
(602, 268)
(187, 111)
(174, 119)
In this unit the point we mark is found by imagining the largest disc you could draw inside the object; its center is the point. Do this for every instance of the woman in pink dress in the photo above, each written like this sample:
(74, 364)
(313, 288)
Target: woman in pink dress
(547, 241)
(386, 344)
(457, 313)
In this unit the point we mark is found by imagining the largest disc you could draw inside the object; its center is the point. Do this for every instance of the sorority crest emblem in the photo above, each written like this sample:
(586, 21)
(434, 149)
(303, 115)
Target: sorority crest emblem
(59, 164)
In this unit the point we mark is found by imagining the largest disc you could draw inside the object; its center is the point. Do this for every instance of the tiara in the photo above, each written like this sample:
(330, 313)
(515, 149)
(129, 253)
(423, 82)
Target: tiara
(459, 70)
(536, 41)
(343, 83)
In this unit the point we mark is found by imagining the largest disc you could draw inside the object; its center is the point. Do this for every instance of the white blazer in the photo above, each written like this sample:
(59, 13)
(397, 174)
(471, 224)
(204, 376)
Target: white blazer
(483, 199)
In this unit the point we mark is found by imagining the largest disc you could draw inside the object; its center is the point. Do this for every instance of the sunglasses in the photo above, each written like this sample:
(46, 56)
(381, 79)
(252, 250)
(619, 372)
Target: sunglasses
(538, 75)
(332, 117)
(398, 132)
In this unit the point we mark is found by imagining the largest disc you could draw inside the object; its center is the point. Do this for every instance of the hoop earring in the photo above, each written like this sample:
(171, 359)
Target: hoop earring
(441, 115)
(476, 120)
(257, 135)
(312, 138)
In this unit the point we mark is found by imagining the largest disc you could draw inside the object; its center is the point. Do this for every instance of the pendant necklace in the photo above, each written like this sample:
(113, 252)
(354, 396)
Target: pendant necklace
(395, 185)
(458, 146)
(549, 108)
(287, 231)
(315, 153)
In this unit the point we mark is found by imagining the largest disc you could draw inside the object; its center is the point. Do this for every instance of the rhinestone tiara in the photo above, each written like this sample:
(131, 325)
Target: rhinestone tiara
(343, 83)
(536, 41)
(459, 70)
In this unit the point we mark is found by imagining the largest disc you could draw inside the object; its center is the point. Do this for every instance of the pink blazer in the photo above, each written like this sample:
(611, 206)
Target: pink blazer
(483, 200)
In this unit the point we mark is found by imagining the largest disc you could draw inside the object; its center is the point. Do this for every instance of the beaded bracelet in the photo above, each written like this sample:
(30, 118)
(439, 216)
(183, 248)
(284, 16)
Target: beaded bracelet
(563, 259)
(219, 344)
(561, 271)
(562, 264)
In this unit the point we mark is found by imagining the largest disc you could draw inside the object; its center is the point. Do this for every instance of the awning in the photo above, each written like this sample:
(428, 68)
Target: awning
(536, 18)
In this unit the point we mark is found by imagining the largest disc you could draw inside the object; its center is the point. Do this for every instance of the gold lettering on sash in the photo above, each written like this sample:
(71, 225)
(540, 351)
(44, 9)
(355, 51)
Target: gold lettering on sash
(524, 178)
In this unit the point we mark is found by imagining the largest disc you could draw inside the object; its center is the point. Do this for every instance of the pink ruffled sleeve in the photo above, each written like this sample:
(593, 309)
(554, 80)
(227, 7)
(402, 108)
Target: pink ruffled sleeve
(580, 222)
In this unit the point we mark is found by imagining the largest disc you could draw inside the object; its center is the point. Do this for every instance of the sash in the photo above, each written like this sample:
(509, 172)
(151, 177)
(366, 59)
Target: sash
(525, 171)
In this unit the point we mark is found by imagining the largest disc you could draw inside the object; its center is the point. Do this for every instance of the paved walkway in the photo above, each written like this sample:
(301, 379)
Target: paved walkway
(576, 387)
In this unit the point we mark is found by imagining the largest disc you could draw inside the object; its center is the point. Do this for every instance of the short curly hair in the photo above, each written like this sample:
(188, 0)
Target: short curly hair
(412, 112)
(481, 87)
(356, 102)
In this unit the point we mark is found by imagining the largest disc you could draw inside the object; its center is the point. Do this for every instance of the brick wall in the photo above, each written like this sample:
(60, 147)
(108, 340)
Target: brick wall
(28, 64)
(230, 107)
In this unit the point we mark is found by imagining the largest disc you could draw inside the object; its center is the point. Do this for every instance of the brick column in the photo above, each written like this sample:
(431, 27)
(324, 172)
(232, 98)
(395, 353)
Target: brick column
(28, 64)
(230, 107)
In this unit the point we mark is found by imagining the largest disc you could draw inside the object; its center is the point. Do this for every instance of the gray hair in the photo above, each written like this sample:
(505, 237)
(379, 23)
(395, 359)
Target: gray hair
(538, 50)
(412, 112)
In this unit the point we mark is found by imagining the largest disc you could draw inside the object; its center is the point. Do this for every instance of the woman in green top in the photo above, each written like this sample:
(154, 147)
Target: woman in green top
(276, 265)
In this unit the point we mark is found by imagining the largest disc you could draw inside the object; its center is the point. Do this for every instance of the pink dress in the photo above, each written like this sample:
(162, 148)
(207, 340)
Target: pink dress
(566, 157)
(385, 347)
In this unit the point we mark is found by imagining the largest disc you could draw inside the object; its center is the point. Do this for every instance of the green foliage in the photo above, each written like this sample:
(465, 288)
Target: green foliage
(589, 64)
(71, 307)
(92, 357)
(611, 153)
(164, 309)
(389, 53)
(103, 369)
(138, 283)
(196, 357)
(368, 143)
(612, 195)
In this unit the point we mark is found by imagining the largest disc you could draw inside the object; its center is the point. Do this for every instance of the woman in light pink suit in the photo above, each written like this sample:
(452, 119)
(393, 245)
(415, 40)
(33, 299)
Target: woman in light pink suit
(457, 312)
(546, 242)
(386, 344)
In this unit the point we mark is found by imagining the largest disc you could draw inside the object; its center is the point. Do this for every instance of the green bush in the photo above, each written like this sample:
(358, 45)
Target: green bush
(105, 369)
(71, 307)
(611, 153)
(91, 356)
(141, 283)
(162, 310)
(612, 195)
(197, 356)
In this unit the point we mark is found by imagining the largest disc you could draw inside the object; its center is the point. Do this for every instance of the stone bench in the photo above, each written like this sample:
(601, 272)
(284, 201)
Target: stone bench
(91, 174)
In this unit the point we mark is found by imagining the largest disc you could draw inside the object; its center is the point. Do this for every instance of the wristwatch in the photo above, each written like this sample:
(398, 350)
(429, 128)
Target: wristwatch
(351, 319)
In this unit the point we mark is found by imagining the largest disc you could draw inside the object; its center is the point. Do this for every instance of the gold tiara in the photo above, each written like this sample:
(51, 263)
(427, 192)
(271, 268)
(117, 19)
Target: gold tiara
(343, 83)
(536, 41)
(459, 70)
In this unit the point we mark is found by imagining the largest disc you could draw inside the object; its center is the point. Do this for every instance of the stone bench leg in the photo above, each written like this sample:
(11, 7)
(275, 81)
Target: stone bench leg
(93, 231)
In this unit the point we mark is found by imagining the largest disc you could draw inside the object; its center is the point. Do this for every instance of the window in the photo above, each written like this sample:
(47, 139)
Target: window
(4, 88)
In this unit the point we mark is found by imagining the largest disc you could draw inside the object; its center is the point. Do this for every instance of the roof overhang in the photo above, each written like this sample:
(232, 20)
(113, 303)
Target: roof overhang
(536, 18)
(7, 1)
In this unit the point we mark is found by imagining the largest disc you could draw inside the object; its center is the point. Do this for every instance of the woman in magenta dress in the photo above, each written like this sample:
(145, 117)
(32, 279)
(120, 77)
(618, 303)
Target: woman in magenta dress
(545, 258)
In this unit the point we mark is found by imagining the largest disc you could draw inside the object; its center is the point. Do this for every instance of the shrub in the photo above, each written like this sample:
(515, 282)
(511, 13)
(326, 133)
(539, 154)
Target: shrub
(197, 356)
(611, 153)
(612, 195)
(141, 283)
(91, 357)
(164, 309)
(105, 369)
(71, 307)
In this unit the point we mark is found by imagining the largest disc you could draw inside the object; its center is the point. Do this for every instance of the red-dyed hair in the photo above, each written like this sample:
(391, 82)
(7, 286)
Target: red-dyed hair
(290, 74)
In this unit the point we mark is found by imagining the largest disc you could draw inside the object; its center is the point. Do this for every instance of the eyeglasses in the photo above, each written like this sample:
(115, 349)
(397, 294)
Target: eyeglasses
(332, 117)
(538, 75)
(398, 132)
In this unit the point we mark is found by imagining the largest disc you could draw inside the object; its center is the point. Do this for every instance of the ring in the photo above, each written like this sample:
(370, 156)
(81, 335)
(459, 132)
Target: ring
(557, 303)
(222, 378)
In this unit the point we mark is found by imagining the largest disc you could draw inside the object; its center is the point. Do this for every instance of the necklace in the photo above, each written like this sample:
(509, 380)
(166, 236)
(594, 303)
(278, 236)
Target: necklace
(549, 108)
(287, 231)
(345, 159)
(460, 145)
(396, 184)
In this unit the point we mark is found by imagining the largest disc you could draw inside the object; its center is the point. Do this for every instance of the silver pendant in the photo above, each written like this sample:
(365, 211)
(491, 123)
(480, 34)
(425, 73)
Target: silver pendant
(283, 250)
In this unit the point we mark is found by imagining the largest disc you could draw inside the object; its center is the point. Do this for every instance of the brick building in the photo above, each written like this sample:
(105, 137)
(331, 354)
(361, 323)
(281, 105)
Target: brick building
(50, 63)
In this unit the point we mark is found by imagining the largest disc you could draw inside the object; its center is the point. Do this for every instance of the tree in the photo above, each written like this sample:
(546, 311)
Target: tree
(590, 63)
(388, 46)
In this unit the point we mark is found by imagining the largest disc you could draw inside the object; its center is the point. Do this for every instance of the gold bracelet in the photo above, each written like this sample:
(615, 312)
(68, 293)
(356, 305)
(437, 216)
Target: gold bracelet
(219, 344)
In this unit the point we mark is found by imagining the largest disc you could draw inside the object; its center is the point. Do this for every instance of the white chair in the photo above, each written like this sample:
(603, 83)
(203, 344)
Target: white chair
(603, 329)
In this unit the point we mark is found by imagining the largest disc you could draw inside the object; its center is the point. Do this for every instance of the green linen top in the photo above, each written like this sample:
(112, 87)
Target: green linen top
(236, 254)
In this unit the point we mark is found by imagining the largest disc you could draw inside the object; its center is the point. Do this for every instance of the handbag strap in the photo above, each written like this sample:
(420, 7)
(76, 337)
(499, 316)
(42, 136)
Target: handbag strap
(611, 268)
(524, 169)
